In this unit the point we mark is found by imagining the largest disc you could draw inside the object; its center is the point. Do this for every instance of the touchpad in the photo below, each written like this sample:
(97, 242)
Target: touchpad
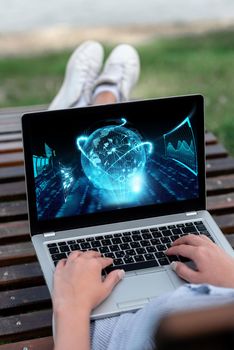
(141, 287)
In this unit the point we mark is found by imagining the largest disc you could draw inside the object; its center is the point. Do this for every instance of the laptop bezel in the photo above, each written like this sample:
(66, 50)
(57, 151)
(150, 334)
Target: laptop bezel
(102, 218)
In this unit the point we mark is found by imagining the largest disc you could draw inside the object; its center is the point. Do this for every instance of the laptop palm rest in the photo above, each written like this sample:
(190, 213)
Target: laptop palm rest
(131, 291)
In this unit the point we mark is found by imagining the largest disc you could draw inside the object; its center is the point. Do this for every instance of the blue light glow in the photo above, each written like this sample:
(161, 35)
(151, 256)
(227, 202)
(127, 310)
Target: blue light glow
(114, 158)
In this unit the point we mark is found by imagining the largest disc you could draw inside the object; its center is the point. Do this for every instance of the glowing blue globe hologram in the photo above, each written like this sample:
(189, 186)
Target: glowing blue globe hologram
(114, 157)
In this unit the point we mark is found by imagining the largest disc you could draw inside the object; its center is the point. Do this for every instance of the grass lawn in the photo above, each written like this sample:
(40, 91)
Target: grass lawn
(201, 63)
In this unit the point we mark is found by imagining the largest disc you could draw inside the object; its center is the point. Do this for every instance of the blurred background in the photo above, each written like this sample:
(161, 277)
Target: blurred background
(186, 46)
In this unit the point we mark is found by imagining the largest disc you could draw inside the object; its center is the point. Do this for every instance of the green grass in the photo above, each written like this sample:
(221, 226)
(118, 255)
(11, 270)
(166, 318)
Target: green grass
(198, 63)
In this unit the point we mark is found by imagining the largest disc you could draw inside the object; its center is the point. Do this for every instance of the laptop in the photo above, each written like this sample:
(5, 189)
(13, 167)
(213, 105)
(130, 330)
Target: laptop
(124, 179)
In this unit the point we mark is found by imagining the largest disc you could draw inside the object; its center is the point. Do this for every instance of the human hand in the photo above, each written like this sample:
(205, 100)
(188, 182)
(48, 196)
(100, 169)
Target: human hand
(213, 264)
(78, 282)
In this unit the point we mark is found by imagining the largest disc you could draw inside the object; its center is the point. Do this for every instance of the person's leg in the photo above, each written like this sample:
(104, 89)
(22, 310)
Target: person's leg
(82, 71)
(119, 76)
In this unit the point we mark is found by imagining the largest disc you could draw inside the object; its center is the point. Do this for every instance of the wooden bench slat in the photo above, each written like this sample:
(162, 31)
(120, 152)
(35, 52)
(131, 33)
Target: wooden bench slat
(13, 276)
(221, 166)
(13, 210)
(13, 190)
(210, 138)
(14, 173)
(225, 222)
(21, 300)
(11, 137)
(17, 252)
(11, 147)
(14, 231)
(10, 128)
(215, 151)
(220, 203)
(18, 327)
(11, 159)
(45, 343)
(221, 184)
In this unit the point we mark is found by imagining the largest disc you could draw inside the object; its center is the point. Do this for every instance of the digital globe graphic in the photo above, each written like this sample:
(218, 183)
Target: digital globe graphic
(113, 158)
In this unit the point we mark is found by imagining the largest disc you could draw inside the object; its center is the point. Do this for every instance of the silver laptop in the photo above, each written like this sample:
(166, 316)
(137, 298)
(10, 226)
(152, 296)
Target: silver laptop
(124, 179)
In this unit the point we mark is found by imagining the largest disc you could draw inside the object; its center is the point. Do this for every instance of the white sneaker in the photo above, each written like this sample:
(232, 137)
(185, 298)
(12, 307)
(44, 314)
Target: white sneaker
(81, 72)
(122, 69)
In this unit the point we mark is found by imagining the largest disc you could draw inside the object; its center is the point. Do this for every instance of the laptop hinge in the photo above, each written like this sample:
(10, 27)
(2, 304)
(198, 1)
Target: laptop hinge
(49, 234)
(191, 213)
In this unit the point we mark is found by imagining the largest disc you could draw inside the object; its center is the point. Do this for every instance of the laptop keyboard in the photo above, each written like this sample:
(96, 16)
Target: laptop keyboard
(131, 250)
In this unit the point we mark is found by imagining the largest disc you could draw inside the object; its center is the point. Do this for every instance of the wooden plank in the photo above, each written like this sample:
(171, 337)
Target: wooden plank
(23, 326)
(210, 138)
(26, 299)
(11, 137)
(221, 203)
(221, 166)
(11, 147)
(219, 185)
(225, 222)
(11, 159)
(45, 343)
(11, 173)
(215, 151)
(17, 253)
(14, 231)
(12, 190)
(18, 276)
(13, 210)
(10, 128)
(17, 111)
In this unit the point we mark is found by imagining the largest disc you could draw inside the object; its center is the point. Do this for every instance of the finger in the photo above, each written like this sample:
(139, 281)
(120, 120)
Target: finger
(74, 255)
(105, 262)
(112, 279)
(188, 239)
(91, 254)
(61, 264)
(184, 250)
(185, 272)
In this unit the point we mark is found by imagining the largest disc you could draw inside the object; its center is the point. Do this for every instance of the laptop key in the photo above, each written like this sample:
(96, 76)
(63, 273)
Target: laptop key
(161, 228)
(176, 231)
(71, 242)
(124, 246)
(173, 258)
(106, 242)
(163, 261)
(117, 262)
(61, 243)
(156, 234)
(85, 245)
(130, 252)
(161, 247)
(135, 245)
(95, 244)
(153, 229)
(151, 249)
(136, 238)
(114, 248)
(64, 249)
(53, 250)
(51, 245)
(119, 254)
(127, 239)
(160, 255)
(116, 240)
(145, 243)
(128, 260)
(139, 258)
(166, 233)
(165, 240)
(149, 257)
(146, 235)
(75, 247)
(103, 250)
(58, 256)
(140, 250)
(110, 255)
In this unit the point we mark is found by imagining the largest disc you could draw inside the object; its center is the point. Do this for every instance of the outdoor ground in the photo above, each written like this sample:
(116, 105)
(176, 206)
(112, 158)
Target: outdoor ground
(202, 63)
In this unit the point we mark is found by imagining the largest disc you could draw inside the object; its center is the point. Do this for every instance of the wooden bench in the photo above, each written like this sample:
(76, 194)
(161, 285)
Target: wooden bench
(25, 305)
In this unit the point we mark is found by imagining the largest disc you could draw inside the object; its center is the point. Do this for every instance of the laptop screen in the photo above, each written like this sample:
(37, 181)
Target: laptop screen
(90, 162)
